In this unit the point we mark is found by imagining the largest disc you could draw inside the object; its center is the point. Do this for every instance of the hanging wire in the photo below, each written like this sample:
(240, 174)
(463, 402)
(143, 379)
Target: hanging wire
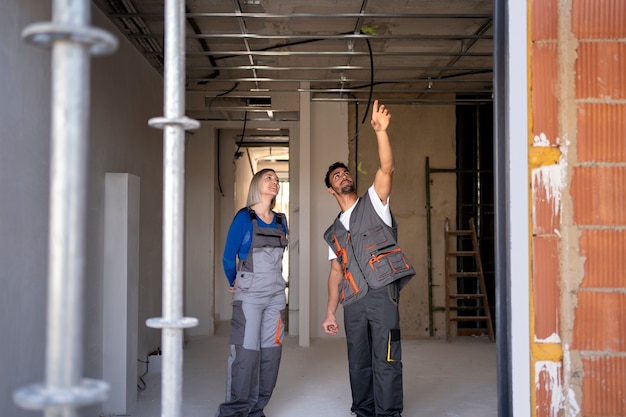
(371, 91)
(237, 154)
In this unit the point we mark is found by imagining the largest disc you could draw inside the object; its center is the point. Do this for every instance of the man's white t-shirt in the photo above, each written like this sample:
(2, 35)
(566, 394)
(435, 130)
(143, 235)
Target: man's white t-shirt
(382, 210)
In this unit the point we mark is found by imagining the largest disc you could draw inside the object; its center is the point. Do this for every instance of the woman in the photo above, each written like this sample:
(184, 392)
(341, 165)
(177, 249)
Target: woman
(253, 266)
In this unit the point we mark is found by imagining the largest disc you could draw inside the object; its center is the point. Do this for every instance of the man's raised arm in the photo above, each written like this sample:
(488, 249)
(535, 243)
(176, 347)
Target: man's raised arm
(383, 179)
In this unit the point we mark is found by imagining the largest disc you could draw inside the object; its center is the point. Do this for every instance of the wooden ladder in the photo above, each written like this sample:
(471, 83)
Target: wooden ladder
(454, 277)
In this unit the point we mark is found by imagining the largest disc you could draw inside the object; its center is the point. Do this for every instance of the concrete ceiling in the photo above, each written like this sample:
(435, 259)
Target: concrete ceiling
(245, 57)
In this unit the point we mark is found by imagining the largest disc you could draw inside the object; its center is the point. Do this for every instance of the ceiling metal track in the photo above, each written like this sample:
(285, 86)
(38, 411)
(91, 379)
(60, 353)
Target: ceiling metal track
(197, 15)
(478, 99)
(345, 80)
(436, 56)
(336, 68)
(485, 99)
(338, 36)
(332, 53)
(216, 93)
(244, 31)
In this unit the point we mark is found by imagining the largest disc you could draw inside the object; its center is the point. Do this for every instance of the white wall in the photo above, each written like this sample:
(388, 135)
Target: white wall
(329, 144)
(200, 227)
(24, 172)
(227, 210)
(125, 93)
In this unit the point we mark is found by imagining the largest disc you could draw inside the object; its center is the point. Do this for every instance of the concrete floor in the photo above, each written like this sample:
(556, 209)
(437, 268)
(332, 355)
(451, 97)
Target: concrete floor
(456, 379)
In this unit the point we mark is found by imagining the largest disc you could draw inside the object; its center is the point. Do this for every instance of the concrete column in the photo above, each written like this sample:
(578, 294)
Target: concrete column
(120, 291)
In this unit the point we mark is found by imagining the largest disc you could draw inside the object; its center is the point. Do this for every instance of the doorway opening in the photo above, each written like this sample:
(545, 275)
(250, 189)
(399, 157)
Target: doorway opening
(250, 151)
(475, 199)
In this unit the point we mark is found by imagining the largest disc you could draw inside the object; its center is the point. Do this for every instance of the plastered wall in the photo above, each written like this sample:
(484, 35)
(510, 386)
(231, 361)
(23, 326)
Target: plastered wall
(416, 132)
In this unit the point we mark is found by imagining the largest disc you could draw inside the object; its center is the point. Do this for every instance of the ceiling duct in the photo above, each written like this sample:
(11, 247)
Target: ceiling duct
(259, 101)
(256, 103)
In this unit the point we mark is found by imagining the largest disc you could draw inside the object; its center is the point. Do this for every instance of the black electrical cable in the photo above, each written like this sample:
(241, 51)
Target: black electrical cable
(283, 45)
(228, 91)
(143, 385)
(371, 92)
(210, 103)
(219, 176)
(243, 133)
(250, 161)
(369, 99)
(245, 121)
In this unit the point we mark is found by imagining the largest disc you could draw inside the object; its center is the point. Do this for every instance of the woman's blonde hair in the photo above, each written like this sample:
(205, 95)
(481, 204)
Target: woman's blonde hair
(254, 195)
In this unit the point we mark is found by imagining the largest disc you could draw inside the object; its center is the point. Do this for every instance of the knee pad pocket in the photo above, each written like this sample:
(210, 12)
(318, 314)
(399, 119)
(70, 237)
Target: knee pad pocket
(394, 348)
(237, 324)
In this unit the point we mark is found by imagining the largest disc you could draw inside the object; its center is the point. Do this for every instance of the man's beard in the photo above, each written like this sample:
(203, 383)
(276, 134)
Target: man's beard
(348, 189)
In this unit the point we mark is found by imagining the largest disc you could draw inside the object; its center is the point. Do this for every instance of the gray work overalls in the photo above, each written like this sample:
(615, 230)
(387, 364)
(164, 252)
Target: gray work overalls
(257, 325)
(371, 315)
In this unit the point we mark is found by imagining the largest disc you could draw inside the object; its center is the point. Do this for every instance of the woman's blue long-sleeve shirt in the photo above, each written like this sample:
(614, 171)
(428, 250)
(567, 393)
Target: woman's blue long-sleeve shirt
(239, 240)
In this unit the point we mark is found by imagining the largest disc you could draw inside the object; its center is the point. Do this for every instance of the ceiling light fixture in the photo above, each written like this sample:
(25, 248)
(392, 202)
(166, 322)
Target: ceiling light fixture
(270, 129)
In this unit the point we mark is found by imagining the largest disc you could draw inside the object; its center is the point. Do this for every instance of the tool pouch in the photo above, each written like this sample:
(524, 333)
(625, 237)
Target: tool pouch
(386, 262)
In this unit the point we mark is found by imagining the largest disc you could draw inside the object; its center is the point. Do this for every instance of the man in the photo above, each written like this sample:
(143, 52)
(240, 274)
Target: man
(367, 271)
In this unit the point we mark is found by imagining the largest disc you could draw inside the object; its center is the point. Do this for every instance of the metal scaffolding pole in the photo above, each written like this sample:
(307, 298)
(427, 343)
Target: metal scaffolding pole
(174, 124)
(71, 41)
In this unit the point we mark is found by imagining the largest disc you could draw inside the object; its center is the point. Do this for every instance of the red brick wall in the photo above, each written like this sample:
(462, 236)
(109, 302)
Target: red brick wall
(546, 188)
(595, 31)
(599, 201)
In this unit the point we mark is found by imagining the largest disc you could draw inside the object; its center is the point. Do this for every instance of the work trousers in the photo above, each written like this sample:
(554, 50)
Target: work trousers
(372, 326)
(257, 331)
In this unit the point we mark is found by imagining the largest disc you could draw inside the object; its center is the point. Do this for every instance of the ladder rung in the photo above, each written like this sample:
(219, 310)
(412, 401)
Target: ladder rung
(465, 274)
(468, 296)
(479, 312)
(460, 233)
(466, 308)
(463, 253)
(469, 318)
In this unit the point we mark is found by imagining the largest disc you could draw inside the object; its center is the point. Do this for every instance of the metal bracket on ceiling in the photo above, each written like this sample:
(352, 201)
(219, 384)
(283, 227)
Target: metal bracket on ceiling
(244, 32)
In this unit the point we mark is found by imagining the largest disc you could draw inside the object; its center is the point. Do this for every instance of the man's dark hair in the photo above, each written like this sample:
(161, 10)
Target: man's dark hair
(331, 169)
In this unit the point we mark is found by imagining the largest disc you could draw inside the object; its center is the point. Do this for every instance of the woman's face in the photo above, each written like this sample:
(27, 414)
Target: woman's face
(269, 183)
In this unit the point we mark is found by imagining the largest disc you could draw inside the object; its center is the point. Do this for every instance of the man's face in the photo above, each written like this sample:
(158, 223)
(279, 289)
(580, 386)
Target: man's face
(341, 181)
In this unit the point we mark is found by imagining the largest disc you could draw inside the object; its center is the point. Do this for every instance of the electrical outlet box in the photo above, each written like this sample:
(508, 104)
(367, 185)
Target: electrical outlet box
(155, 364)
